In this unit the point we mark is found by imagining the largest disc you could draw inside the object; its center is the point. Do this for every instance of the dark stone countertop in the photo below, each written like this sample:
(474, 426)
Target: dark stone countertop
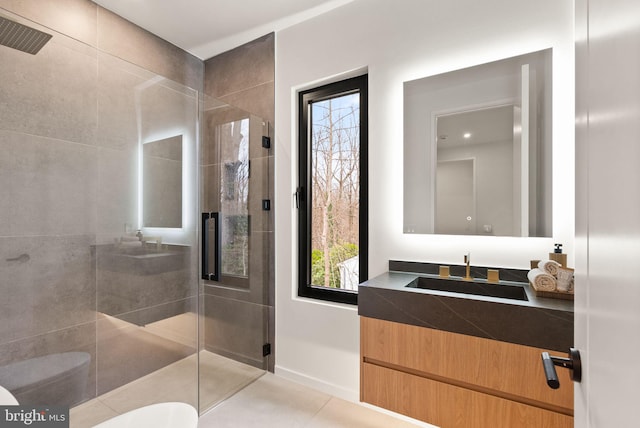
(538, 322)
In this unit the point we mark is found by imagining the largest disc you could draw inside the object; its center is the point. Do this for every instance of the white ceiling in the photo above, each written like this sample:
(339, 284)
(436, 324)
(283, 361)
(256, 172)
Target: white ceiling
(206, 28)
(487, 125)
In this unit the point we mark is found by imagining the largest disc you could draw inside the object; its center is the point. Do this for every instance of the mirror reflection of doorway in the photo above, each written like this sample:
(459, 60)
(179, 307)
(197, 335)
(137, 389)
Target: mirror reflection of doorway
(455, 197)
(490, 135)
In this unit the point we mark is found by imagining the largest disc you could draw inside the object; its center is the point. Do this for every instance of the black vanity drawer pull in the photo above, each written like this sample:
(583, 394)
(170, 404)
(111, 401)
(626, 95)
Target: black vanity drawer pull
(572, 363)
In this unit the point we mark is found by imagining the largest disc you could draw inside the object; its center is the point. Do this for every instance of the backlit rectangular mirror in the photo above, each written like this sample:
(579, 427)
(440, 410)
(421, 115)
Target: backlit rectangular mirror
(162, 183)
(477, 150)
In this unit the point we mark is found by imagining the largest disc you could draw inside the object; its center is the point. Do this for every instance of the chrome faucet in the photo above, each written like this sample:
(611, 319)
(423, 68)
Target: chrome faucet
(467, 261)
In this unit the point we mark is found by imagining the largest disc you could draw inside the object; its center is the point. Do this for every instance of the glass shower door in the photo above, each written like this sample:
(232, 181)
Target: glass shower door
(90, 306)
(146, 245)
(236, 242)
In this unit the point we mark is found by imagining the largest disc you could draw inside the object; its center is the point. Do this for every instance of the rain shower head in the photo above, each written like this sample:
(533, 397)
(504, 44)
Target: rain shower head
(21, 37)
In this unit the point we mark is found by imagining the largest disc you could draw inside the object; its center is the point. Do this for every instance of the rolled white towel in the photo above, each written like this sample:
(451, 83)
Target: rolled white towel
(565, 279)
(542, 280)
(550, 267)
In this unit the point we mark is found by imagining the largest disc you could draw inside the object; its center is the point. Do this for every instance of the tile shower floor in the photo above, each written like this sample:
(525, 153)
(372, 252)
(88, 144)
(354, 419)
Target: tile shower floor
(245, 397)
(221, 378)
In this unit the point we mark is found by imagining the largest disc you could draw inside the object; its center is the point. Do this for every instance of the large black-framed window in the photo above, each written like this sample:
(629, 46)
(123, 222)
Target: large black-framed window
(332, 196)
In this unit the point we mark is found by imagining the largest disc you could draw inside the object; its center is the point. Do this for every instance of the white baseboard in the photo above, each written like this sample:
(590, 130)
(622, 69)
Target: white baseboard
(416, 422)
(340, 392)
(317, 384)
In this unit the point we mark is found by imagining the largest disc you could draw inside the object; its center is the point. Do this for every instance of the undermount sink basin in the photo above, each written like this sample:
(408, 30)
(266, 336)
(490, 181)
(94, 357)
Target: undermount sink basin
(503, 291)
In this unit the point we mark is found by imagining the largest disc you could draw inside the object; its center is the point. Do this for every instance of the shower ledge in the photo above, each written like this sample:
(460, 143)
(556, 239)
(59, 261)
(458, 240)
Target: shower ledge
(143, 260)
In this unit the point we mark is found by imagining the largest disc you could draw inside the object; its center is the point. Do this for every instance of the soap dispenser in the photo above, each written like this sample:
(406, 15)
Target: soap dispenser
(558, 255)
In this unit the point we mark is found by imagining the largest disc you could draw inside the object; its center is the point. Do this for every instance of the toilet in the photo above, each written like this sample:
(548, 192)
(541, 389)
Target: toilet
(54, 380)
(6, 398)
(161, 415)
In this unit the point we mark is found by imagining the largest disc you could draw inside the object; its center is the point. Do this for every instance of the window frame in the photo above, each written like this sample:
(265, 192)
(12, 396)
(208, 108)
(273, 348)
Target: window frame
(306, 98)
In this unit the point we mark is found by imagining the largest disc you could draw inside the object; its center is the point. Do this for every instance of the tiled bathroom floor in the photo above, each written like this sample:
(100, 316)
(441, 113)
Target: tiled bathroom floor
(274, 402)
(220, 379)
(246, 397)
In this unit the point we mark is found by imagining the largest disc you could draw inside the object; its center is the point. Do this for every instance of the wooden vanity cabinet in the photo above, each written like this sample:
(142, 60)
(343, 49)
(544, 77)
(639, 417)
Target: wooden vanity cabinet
(453, 380)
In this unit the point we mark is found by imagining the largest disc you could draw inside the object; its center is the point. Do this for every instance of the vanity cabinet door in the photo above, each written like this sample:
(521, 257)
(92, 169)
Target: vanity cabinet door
(449, 406)
(505, 375)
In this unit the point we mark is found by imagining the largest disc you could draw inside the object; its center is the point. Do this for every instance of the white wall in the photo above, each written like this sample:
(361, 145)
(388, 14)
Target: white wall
(493, 185)
(318, 343)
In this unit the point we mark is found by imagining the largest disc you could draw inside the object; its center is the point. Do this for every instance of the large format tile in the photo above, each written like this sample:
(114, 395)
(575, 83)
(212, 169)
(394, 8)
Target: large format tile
(76, 18)
(244, 67)
(219, 378)
(118, 107)
(48, 186)
(136, 105)
(46, 283)
(175, 382)
(216, 141)
(222, 377)
(89, 414)
(167, 109)
(128, 352)
(117, 193)
(255, 291)
(123, 292)
(273, 402)
(51, 94)
(268, 402)
(244, 77)
(340, 413)
(133, 281)
(125, 40)
(245, 397)
(155, 315)
(258, 100)
(236, 329)
(261, 254)
(181, 328)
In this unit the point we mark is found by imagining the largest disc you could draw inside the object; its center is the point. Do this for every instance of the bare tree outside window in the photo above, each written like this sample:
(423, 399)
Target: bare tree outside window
(335, 191)
(332, 190)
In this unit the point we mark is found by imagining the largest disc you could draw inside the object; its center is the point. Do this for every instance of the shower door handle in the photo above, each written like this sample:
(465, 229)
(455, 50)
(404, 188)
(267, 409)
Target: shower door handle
(210, 247)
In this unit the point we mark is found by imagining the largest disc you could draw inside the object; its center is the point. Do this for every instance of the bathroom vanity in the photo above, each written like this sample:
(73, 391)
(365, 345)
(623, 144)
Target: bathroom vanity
(455, 358)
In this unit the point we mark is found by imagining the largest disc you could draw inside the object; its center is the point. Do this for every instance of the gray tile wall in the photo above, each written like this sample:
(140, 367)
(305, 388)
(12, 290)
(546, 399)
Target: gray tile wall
(75, 18)
(69, 134)
(129, 42)
(244, 77)
(239, 321)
